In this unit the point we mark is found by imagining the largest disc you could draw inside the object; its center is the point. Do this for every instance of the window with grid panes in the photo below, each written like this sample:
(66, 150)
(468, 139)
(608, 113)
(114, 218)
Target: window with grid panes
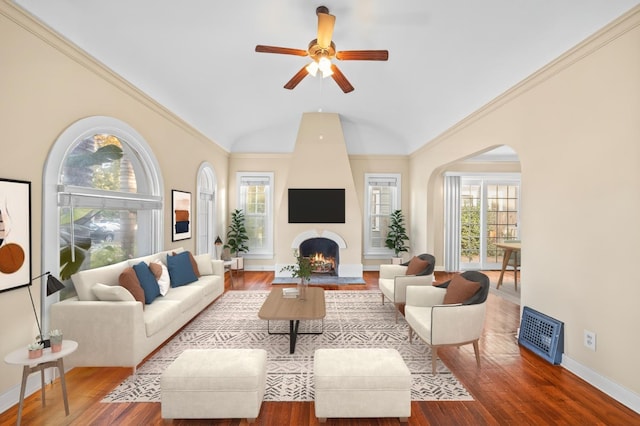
(255, 200)
(382, 197)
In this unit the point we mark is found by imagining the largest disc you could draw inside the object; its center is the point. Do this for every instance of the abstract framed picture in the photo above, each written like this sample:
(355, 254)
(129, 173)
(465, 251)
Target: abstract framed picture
(15, 234)
(181, 213)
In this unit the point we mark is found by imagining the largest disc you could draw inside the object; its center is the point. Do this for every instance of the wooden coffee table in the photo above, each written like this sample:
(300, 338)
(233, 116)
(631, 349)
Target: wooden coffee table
(293, 310)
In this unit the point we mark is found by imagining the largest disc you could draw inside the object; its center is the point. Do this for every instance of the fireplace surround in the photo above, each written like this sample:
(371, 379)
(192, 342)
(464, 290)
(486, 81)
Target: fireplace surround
(329, 244)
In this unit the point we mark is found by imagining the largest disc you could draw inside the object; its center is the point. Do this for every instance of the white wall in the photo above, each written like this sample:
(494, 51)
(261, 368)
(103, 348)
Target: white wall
(576, 128)
(45, 86)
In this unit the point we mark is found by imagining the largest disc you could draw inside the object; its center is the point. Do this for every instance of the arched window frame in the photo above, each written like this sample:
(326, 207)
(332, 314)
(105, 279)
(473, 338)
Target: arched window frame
(134, 146)
(206, 206)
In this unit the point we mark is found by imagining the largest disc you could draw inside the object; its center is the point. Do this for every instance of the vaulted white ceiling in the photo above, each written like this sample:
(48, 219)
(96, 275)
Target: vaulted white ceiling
(447, 58)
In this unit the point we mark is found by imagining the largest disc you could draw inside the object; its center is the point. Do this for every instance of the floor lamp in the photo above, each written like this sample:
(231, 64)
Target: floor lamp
(53, 286)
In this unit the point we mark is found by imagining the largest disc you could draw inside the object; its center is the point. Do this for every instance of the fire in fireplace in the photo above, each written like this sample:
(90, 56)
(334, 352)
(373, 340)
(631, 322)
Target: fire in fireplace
(323, 252)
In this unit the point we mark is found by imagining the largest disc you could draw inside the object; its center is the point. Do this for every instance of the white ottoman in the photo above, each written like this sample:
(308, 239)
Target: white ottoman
(361, 383)
(214, 384)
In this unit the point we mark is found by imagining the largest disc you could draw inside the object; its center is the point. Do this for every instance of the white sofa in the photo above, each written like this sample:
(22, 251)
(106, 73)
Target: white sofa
(114, 333)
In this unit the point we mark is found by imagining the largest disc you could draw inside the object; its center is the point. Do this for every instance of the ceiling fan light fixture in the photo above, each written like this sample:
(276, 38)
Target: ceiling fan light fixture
(325, 66)
(312, 68)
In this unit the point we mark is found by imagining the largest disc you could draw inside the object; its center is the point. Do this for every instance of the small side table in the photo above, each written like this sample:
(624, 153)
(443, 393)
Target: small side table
(48, 359)
(231, 265)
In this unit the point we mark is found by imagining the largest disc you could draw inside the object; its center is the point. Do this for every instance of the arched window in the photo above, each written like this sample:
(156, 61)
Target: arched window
(206, 208)
(102, 198)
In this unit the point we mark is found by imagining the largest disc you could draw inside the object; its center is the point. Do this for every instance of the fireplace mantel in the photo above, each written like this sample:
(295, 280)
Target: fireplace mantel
(307, 235)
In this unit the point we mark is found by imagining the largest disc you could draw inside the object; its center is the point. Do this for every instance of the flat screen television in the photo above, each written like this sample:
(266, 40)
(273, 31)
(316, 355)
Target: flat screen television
(316, 205)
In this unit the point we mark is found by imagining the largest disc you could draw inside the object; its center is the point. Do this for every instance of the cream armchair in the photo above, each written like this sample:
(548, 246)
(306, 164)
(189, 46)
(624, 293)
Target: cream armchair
(453, 324)
(394, 279)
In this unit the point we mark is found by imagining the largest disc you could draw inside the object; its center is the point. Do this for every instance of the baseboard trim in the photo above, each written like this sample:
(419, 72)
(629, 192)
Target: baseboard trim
(619, 393)
(12, 396)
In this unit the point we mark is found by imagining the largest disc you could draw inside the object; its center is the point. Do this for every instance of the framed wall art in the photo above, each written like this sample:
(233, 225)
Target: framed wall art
(15, 234)
(181, 213)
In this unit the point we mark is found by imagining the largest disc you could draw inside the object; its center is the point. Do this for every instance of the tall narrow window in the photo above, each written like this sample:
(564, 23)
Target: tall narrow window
(256, 201)
(206, 225)
(382, 197)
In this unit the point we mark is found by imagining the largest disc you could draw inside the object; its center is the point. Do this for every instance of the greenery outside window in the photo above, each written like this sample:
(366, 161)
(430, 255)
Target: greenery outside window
(255, 199)
(107, 198)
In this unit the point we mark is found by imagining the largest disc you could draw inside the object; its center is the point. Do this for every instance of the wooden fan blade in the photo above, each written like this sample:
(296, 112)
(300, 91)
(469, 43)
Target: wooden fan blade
(363, 55)
(326, 22)
(296, 78)
(341, 79)
(282, 50)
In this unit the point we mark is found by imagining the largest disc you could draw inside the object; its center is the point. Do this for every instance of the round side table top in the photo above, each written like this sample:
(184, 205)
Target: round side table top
(21, 356)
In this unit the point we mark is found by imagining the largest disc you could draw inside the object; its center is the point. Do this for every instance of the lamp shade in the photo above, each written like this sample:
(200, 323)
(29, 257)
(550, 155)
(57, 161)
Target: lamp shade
(53, 285)
(218, 241)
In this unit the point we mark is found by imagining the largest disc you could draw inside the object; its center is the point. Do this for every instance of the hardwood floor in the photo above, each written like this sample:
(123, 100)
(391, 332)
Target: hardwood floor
(512, 387)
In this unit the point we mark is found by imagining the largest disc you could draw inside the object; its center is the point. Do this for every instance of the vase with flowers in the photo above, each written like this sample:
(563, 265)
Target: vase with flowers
(303, 270)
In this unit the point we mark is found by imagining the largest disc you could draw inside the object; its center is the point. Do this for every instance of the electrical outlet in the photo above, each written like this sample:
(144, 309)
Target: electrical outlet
(590, 339)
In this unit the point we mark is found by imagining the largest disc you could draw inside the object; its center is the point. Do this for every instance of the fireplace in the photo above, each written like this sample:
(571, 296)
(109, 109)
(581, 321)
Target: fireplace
(337, 260)
(323, 252)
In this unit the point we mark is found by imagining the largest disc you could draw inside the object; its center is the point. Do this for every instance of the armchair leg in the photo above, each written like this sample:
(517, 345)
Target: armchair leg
(410, 335)
(434, 359)
(476, 349)
(399, 309)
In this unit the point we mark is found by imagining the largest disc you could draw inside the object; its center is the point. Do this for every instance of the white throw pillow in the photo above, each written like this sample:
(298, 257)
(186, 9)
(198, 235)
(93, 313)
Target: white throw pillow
(205, 267)
(112, 293)
(164, 282)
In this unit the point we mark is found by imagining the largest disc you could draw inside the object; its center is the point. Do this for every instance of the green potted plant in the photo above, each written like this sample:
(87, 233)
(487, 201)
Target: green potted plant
(237, 238)
(302, 269)
(397, 235)
(55, 337)
(35, 350)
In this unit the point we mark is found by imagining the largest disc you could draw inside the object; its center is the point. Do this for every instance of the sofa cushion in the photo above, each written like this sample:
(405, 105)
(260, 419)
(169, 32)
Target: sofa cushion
(159, 314)
(129, 280)
(84, 281)
(161, 273)
(187, 296)
(204, 264)
(180, 269)
(416, 265)
(194, 263)
(147, 281)
(112, 293)
(209, 284)
(459, 290)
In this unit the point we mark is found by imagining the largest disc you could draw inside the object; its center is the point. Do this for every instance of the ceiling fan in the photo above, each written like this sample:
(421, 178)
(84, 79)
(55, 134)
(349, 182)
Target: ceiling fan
(322, 50)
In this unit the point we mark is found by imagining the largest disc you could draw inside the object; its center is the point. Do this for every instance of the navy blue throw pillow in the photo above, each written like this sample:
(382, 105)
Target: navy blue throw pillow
(180, 269)
(147, 281)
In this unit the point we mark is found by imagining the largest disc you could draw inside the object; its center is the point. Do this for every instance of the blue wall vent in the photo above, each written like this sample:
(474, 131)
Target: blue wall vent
(542, 335)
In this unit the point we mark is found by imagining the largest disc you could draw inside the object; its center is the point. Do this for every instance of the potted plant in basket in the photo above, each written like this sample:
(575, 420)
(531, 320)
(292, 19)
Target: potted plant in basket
(303, 270)
(397, 235)
(237, 238)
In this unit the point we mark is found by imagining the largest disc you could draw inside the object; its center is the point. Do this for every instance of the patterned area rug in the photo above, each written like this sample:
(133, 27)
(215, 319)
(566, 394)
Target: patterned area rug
(321, 280)
(355, 319)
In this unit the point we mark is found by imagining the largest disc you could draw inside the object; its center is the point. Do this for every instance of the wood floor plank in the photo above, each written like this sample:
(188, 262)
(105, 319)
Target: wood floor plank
(513, 386)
